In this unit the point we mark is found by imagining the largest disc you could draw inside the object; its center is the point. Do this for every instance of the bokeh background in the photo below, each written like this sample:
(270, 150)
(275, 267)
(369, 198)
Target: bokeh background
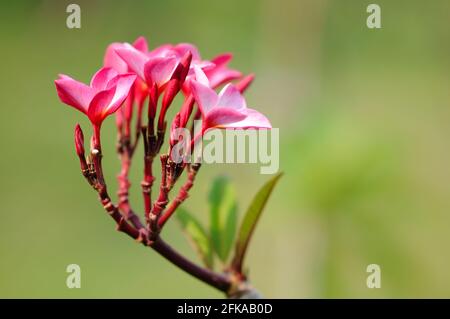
(364, 126)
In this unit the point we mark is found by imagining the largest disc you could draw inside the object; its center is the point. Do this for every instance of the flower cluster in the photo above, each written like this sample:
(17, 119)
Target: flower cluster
(132, 75)
(133, 72)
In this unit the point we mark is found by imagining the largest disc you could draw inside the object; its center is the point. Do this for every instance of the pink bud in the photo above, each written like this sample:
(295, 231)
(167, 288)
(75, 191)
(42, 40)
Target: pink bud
(173, 87)
(79, 141)
(79, 147)
(186, 110)
(182, 69)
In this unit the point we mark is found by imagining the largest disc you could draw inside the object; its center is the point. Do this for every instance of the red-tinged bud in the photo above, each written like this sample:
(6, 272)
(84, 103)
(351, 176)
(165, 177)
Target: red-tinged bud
(79, 147)
(186, 63)
(182, 68)
(174, 85)
(186, 110)
(79, 141)
(172, 89)
(245, 82)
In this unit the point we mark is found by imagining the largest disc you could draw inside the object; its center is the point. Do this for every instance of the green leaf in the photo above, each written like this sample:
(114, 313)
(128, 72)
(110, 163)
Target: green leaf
(223, 216)
(197, 236)
(250, 219)
(229, 231)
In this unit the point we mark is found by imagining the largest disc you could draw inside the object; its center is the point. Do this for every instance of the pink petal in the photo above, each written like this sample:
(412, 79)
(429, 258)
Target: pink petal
(221, 74)
(162, 51)
(222, 59)
(141, 44)
(218, 77)
(113, 60)
(204, 65)
(159, 70)
(221, 117)
(205, 97)
(101, 79)
(183, 48)
(99, 104)
(231, 97)
(123, 87)
(74, 93)
(135, 59)
(253, 119)
(200, 76)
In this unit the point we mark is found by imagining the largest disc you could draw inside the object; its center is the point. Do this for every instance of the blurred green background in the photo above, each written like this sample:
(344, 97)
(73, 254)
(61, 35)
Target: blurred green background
(364, 125)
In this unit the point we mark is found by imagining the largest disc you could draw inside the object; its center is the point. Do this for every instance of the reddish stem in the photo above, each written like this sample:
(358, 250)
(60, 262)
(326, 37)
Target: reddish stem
(181, 197)
(100, 186)
(136, 230)
(219, 281)
(147, 184)
(124, 186)
(113, 211)
(163, 196)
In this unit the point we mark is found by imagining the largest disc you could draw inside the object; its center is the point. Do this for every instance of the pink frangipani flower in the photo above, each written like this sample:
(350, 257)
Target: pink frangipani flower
(158, 65)
(114, 61)
(105, 94)
(227, 109)
(151, 69)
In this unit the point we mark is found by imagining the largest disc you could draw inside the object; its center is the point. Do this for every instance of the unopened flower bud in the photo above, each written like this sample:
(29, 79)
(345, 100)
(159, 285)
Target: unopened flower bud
(185, 63)
(186, 110)
(79, 147)
(79, 141)
(173, 87)
(182, 69)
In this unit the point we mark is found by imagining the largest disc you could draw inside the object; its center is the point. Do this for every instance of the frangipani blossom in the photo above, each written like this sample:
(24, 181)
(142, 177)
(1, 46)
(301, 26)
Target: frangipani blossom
(158, 65)
(161, 74)
(105, 94)
(113, 60)
(151, 69)
(227, 109)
